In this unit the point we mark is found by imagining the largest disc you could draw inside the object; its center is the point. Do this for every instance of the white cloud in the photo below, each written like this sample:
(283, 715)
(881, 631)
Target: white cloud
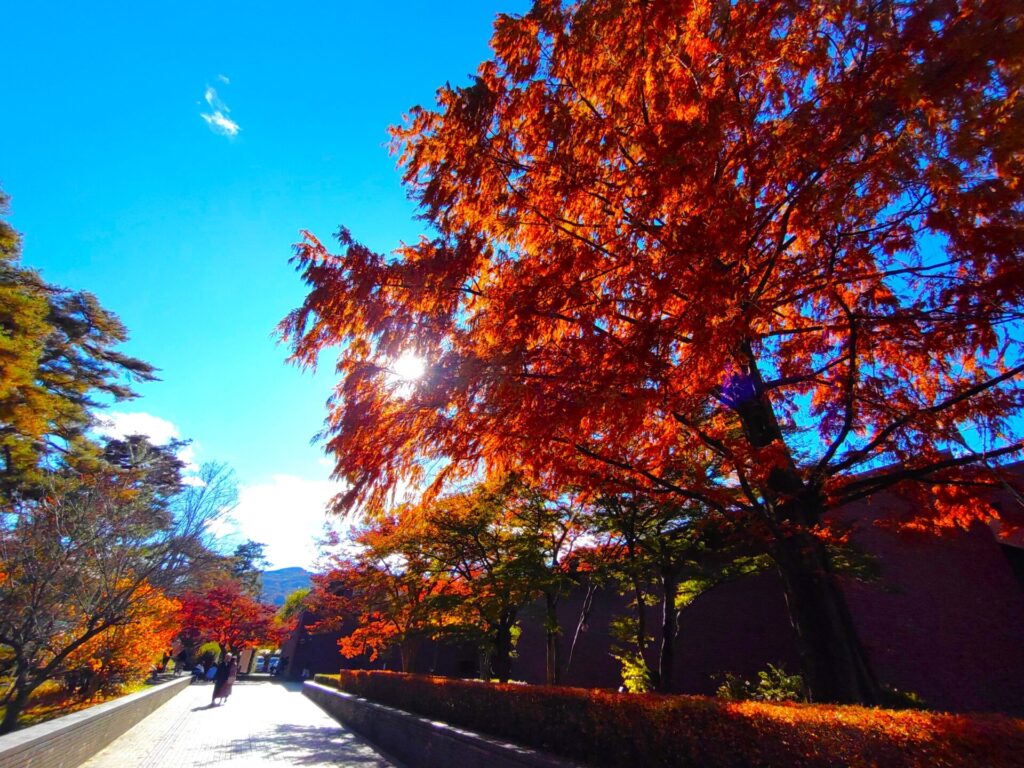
(218, 119)
(187, 456)
(121, 425)
(221, 124)
(286, 513)
(224, 79)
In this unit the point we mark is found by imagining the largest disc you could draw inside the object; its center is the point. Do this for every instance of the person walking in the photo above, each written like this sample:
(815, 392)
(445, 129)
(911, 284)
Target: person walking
(227, 671)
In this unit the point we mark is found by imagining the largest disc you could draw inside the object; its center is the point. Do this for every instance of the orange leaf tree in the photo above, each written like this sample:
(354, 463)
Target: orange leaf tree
(127, 651)
(79, 560)
(789, 234)
(383, 591)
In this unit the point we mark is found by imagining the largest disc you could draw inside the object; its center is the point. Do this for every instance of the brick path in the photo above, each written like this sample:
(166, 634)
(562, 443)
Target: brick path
(263, 724)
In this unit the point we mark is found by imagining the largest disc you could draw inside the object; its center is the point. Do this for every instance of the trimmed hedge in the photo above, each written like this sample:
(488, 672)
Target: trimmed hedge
(612, 729)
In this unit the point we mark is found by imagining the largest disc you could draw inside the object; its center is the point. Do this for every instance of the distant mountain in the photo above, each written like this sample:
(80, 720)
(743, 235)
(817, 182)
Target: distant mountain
(277, 585)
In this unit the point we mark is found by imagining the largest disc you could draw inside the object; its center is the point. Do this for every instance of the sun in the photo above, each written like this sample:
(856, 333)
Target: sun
(409, 367)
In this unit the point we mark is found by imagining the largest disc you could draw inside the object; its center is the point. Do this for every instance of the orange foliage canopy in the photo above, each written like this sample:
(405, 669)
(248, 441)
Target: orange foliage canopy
(126, 652)
(790, 233)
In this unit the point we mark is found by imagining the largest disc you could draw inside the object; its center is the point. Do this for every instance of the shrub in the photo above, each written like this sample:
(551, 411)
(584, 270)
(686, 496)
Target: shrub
(636, 676)
(773, 684)
(734, 687)
(654, 731)
(894, 698)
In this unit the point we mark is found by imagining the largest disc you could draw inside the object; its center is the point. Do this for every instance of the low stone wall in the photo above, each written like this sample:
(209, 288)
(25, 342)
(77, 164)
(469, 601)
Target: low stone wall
(71, 740)
(422, 743)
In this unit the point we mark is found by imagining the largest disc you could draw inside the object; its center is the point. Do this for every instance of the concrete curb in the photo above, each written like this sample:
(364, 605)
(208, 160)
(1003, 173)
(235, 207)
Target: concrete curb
(422, 743)
(71, 740)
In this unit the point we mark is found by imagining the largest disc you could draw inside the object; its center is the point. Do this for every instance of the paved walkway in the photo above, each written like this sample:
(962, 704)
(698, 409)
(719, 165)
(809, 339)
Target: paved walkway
(263, 724)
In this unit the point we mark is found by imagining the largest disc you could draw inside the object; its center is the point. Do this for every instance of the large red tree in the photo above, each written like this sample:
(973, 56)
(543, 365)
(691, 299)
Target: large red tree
(789, 233)
(229, 616)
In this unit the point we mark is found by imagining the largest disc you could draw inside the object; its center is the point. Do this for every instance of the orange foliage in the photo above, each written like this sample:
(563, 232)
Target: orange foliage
(127, 652)
(387, 595)
(668, 224)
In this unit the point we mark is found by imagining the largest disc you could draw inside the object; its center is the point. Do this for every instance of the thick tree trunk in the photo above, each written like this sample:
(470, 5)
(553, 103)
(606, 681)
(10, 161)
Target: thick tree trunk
(669, 626)
(501, 661)
(15, 706)
(553, 658)
(835, 664)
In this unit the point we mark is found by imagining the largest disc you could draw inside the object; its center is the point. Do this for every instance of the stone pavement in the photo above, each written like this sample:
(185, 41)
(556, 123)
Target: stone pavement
(263, 724)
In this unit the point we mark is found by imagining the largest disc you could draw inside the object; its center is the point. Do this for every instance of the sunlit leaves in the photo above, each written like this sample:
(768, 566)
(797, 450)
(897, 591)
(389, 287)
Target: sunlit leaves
(638, 202)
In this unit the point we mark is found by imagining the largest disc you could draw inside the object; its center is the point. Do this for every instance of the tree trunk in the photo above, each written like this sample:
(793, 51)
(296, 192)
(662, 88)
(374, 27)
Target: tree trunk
(501, 661)
(835, 665)
(669, 625)
(15, 706)
(641, 619)
(588, 603)
(407, 654)
(553, 659)
(92, 684)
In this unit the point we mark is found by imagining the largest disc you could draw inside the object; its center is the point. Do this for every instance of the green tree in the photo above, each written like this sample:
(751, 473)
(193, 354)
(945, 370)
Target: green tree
(665, 553)
(294, 604)
(247, 565)
(58, 351)
(549, 528)
(503, 543)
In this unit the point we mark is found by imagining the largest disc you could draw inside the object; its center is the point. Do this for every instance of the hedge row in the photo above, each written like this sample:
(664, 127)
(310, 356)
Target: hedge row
(611, 729)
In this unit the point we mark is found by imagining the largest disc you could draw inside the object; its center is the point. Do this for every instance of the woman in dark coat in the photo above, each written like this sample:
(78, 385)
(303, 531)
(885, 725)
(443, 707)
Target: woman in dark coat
(227, 670)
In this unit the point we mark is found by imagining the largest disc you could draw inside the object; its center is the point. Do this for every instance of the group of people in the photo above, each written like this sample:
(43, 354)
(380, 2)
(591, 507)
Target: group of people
(222, 673)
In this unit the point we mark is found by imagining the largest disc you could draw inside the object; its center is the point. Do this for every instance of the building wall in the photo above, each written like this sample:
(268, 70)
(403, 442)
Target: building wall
(946, 617)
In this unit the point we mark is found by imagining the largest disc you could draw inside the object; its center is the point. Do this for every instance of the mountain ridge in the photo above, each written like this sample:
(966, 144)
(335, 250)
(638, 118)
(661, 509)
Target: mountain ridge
(281, 582)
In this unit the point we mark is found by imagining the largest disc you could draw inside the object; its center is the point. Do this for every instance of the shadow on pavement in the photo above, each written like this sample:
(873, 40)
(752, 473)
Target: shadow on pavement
(308, 744)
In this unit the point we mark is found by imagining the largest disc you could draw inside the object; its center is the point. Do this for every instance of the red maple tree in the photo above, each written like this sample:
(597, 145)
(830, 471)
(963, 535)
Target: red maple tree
(228, 616)
(789, 236)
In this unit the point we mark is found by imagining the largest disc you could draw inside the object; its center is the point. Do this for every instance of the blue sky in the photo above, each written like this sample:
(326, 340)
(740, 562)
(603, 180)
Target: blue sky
(120, 186)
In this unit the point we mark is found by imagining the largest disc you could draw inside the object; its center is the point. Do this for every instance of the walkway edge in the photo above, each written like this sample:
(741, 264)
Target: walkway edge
(69, 741)
(422, 743)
